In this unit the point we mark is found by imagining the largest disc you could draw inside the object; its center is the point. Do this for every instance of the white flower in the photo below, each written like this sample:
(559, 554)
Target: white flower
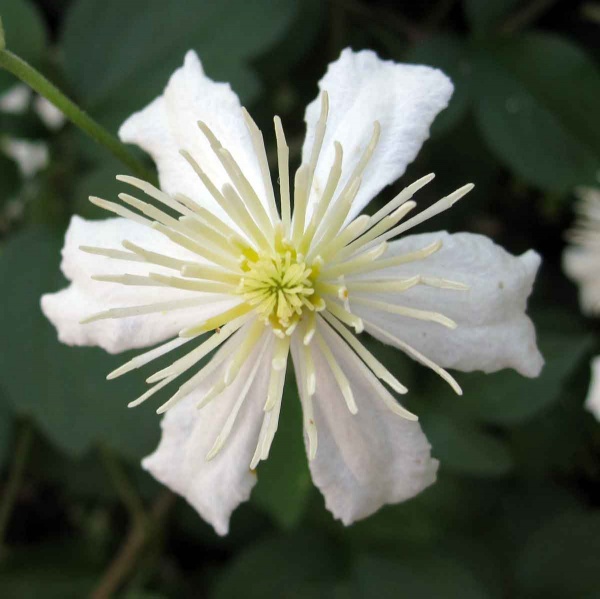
(216, 256)
(581, 262)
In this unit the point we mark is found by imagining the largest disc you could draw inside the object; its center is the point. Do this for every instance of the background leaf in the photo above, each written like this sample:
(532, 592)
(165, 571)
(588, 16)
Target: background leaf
(25, 34)
(284, 478)
(68, 397)
(530, 113)
(149, 38)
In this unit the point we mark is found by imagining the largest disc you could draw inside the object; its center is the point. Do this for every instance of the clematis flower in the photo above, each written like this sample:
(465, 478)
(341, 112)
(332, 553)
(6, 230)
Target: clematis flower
(581, 262)
(216, 264)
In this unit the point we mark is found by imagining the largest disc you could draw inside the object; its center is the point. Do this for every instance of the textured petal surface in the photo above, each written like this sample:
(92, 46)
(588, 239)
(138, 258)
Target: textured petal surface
(169, 124)
(363, 89)
(214, 488)
(493, 330)
(369, 459)
(84, 297)
(592, 402)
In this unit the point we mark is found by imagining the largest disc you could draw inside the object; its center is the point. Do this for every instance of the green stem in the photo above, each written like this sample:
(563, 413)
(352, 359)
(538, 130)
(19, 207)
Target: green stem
(9, 497)
(126, 491)
(26, 73)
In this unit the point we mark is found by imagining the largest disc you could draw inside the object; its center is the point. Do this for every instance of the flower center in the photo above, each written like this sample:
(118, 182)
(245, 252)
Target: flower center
(279, 286)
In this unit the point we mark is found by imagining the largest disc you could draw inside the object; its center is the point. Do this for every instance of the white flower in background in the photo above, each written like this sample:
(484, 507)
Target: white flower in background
(214, 254)
(31, 156)
(592, 402)
(581, 262)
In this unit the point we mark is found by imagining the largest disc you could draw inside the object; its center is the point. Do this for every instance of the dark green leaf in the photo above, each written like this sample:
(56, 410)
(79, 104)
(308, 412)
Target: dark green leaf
(561, 559)
(274, 568)
(53, 571)
(144, 41)
(508, 398)
(416, 576)
(537, 108)
(63, 388)
(24, 32)
(486, 15)
(463, 447)
(9, 179)
(6, 425)
(284, 481)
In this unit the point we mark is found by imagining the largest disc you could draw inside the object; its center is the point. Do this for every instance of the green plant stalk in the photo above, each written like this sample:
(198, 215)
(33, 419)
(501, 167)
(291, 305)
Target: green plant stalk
(9, 496)
(26, 73)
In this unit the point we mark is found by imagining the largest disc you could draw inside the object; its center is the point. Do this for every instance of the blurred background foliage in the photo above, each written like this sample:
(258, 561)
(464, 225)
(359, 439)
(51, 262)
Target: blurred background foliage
(515, 512)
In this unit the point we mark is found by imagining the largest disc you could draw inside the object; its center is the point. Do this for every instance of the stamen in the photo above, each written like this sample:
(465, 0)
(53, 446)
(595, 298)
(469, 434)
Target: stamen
(127, 279)
(365, 262)
(207, 217)
(353, 230)
(180, 366)
(406, 194)
(338, 373)
(150, 392)
(283, 154)
(346, 317)
(243, 218)
(153, 192)
(238, 178)
(362, 263)
(154, 257)
(148, 309)
(366, 356)
(258, 144)
(318, 140)
(406, 311)
(279, 364)
(119, 211)
(364, 159)
(143, 359)
(149, 210)
(111, 253)
(193, 382)
(419, 357)
(300, 201)
(325, 199)
(386, 223)
(216, 321)
(252, 337)
(190, 285)
(335, 218)
(189, 244)
(231, 418)
(437, 208)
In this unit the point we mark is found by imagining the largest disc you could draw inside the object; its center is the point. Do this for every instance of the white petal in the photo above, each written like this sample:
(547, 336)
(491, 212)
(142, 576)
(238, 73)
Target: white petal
(583, 266)
(214, 488)
(592, 402)
(66, 308)
(493, 330)
(169, 124)
(362, 89)
(369, 459)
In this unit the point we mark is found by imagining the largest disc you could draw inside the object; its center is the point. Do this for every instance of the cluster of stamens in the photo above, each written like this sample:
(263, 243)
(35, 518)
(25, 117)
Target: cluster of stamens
(280, 286)
(288, 273)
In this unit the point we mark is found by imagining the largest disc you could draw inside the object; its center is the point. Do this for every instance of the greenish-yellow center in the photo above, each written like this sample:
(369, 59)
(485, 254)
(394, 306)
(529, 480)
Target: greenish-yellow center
(279, 287)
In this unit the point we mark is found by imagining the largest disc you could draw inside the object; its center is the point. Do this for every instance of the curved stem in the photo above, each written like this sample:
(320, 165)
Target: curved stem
(137, 540)
(26, 73)
(9, 497)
